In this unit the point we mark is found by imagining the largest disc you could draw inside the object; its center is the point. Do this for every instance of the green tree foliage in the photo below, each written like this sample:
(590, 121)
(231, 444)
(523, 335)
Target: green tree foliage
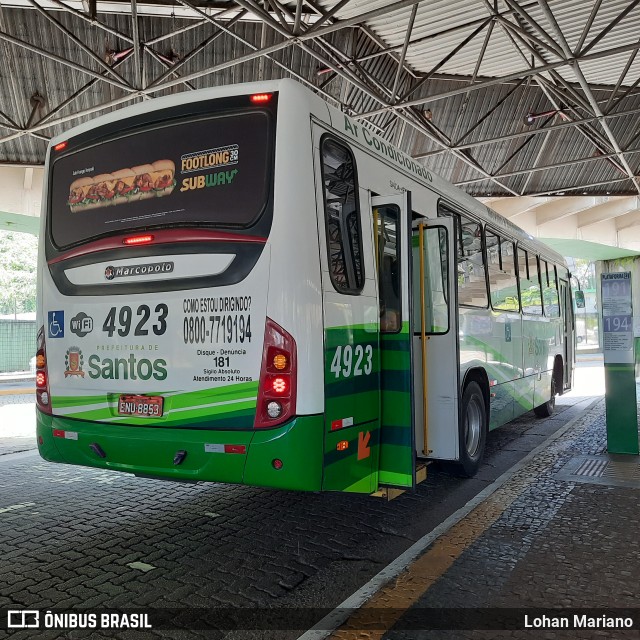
(18, 269)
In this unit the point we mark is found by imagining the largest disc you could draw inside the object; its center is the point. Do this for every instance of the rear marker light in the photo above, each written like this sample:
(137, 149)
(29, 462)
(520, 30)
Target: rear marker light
(277, 464)
(133, 240)
(274, 409)
(280, 362)
(67, 435)
(40, 440)
(61, 145)
(260, 98)
(277, 388)
(43, 401)
(235, 448)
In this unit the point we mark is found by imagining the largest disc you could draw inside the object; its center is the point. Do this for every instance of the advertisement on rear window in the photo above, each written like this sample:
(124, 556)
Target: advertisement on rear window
(210, 171)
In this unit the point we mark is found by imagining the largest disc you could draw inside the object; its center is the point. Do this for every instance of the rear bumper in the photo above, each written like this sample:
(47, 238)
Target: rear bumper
(150, 451)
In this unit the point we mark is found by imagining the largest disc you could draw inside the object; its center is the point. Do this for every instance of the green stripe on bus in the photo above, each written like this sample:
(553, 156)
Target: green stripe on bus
(177, 401)
(107, 414)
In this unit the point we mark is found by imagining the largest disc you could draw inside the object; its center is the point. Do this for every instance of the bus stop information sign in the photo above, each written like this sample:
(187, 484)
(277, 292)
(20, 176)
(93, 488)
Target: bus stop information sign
(619, 366)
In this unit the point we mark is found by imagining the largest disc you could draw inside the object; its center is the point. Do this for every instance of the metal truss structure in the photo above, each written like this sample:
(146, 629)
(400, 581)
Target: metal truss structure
(502, 97)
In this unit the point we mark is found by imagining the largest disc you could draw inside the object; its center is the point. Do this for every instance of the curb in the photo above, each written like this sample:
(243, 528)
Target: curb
(340, 614)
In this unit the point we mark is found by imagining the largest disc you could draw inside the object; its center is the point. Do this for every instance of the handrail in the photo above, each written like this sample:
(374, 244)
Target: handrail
(423, 333)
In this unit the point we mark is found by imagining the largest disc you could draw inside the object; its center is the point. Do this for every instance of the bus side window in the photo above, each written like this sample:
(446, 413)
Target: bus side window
(550, 290)
(530, 295)
(503, 282)
(387, 223)
(342, 215)
(472, 285)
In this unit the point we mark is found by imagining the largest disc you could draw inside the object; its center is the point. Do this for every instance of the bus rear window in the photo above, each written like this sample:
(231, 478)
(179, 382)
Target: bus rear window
(212, 171)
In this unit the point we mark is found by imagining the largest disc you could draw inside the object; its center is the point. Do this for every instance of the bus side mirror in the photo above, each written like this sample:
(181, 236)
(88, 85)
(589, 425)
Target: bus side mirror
(579, 298)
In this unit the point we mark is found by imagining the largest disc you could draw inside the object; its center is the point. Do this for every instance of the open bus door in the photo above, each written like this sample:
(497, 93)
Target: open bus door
(568, 330)
(435, 339)
(392, 247)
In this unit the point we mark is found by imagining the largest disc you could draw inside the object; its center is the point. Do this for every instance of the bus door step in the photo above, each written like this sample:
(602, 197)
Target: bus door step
(390, 493)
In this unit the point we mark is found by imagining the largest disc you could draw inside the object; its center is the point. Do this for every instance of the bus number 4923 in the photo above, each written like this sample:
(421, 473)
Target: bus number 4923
(143, 313)
(352, 361)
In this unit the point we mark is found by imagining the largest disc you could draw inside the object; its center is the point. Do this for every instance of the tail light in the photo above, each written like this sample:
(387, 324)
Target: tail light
(260, 98)
(43, 397)
(277, 388)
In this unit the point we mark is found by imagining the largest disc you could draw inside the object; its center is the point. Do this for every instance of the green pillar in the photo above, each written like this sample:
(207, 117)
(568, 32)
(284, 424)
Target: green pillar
(619, 364)
(621, 408)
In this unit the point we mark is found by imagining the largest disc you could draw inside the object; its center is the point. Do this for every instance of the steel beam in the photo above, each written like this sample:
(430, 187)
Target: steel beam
(137, 53)
(583, 187)
(632, 5)
(329, 14)
(555, 165)
(67, 101)
(517, 75)
(575, 67)
(257, 51)
(587, 26)
(194, 52)
(522, 134)
(68, 63)
(403, 54)
(623, 75)
(91, 20)
(96, 58)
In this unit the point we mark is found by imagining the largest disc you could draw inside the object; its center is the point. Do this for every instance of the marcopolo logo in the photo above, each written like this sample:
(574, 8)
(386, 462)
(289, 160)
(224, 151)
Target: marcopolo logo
(127, 271)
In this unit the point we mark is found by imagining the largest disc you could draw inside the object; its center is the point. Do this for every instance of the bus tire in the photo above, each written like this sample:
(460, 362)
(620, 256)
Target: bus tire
(472, 429)
(545, 410)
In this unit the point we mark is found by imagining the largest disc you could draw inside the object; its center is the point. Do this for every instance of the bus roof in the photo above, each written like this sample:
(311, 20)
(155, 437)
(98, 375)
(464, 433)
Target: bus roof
(435, 182)
(455, 195)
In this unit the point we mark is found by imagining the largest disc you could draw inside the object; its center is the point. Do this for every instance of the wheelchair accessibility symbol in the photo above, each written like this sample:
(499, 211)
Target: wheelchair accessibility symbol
(55, 324)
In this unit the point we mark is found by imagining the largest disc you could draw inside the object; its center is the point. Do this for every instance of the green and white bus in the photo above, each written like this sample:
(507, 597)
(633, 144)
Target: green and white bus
(243, 285)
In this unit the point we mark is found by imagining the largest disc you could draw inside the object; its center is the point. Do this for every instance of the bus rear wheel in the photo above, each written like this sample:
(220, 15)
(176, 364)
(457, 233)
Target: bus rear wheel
(472, 429)
(545, 410)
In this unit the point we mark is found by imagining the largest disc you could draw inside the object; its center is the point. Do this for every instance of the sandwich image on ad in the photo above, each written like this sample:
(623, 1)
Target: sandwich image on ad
(122, 186)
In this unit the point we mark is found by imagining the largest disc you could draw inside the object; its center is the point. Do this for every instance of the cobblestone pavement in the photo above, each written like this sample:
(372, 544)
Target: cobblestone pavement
(77, 537)
(558, 544)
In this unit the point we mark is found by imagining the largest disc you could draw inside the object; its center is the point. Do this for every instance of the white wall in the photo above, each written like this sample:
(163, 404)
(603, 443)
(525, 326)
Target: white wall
(21, 190)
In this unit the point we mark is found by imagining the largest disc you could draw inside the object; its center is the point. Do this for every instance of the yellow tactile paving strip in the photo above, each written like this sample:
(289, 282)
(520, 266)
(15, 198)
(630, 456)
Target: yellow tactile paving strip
(391, 602)
(375, 618)
(17, 392)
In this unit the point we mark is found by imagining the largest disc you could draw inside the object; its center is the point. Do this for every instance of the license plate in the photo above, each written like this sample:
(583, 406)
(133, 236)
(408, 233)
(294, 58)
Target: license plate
(140, 406)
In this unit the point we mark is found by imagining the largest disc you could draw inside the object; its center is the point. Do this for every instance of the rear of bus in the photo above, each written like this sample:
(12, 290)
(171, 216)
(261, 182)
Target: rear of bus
(156, 354)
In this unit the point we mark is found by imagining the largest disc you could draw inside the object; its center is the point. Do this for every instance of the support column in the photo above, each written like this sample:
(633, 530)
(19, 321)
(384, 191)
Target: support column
(619, 363)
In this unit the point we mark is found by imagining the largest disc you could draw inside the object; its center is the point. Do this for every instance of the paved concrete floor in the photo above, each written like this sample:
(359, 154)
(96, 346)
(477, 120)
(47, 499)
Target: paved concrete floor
(545, 539)
(76, 537)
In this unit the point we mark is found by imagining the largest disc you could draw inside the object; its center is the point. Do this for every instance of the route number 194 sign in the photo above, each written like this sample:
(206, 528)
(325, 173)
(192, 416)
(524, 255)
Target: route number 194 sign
(617, 318)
